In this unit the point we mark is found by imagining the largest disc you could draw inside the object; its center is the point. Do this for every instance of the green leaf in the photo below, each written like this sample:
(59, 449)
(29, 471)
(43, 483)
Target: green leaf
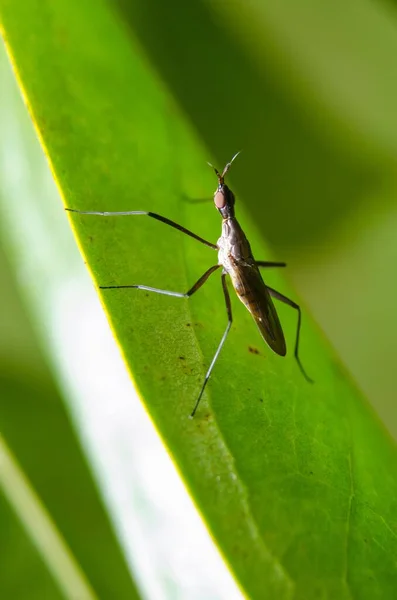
(296, 482)
(122, 449)
(124, 452)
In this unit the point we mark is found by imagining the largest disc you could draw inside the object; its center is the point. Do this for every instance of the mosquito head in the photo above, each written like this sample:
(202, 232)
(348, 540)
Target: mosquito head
(223, 197)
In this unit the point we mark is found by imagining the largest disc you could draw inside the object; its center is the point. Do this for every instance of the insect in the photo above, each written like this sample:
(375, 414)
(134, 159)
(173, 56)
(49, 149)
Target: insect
(236, 259)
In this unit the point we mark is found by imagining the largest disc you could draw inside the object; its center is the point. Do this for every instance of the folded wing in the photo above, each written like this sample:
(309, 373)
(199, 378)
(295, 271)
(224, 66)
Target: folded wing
(252, 291)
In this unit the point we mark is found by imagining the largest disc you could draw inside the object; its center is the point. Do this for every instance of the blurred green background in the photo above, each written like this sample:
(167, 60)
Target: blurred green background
(308, 92)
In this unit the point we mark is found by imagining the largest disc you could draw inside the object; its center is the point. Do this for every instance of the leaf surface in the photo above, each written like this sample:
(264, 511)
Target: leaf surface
(298, 500)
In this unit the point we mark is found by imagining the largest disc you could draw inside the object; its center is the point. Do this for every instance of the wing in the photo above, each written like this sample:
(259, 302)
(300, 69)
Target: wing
(252, 291)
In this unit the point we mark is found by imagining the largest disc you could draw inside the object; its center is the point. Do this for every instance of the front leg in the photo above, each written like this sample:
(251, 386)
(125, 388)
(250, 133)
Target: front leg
(153, 215)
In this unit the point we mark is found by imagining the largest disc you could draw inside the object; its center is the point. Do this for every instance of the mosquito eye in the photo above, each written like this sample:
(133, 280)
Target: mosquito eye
(220, 199)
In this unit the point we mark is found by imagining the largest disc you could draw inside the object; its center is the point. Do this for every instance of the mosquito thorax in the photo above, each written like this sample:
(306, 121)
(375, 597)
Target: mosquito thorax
(224, 201)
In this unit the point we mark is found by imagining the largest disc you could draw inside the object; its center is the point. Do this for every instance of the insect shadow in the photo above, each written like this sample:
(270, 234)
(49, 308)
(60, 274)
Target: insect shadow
(236, 259)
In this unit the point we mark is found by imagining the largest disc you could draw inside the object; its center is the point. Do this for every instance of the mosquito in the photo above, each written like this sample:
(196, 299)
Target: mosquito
(236, 259)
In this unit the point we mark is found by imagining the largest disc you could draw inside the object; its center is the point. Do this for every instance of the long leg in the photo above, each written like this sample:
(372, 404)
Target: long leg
(193, 289)
(286, 300)
(148, 214)
(265, 263)
(229, 324)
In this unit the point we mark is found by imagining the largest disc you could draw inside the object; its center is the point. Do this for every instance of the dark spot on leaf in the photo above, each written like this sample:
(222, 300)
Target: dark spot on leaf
(181, 358)
(253, 350)
(147, 295)
(260, 399)
(188, 324)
